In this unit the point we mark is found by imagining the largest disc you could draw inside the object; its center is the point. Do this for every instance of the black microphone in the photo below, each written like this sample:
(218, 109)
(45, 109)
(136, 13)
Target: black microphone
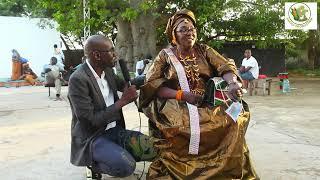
(125, 71)
(126, 75)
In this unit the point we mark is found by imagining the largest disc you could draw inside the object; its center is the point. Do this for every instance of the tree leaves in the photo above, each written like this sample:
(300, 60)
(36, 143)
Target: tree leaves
(230, 20)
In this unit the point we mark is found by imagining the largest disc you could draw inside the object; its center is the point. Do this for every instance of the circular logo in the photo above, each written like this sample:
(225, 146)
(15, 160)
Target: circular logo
(299, 15)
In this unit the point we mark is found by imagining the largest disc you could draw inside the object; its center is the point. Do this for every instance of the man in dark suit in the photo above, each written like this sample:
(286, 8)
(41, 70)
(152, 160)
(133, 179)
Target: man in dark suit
(99, 139)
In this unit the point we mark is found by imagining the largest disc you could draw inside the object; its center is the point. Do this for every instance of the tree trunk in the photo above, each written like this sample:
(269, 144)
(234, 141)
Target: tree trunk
(313, 48)
(124, 40)
(144, 37)
(317, 58)
(137, 38)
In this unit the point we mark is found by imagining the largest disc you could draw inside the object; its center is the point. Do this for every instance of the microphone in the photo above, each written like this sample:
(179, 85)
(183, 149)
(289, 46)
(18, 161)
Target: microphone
(138, 82)
(126, 74)
(125, 71)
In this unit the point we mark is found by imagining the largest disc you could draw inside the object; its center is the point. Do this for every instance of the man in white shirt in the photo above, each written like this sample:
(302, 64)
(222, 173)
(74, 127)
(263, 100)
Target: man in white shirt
(99, 139)
(53, 75)
(249, 69)
(143, 66)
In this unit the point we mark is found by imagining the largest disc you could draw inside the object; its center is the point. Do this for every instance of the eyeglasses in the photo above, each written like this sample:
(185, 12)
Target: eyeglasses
(186, 31)
(106, 51)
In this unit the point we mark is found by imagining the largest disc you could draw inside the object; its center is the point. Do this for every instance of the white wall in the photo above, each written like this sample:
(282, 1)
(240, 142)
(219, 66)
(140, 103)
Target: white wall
(32, 42)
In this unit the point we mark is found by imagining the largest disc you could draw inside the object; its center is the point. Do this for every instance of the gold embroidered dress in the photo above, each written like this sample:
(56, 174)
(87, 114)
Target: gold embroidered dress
(223, 153)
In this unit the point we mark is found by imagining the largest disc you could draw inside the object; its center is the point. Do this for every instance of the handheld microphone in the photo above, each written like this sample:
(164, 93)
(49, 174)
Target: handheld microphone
(126, 74)
(125, 71)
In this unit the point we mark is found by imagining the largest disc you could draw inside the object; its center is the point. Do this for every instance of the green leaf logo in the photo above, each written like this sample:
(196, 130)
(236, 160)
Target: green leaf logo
(300, 12)
(298, 15)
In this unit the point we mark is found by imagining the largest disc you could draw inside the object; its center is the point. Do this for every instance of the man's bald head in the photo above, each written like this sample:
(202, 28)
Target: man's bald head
(95, 42)
(100, 52)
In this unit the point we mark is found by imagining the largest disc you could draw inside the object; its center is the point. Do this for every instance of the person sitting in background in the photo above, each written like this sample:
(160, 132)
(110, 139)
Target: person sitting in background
(142, 66)
(249, 69)
(17, 62)
(28, 75)
(53, 75)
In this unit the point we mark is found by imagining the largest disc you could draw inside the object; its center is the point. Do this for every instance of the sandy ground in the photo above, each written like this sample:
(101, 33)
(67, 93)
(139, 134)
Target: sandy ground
(282, 136)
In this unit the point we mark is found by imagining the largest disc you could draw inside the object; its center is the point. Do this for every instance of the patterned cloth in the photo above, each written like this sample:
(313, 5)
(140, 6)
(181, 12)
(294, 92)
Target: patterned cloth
(216, 92)
(117, 150)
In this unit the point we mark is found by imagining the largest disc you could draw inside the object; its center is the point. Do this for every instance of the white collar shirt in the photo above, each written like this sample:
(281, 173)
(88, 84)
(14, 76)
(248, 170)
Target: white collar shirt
(251, 62)
(105, 91)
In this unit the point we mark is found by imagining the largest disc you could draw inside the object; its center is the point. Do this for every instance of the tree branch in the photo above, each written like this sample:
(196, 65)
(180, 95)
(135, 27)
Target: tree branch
(230, 35)
(252, 3)
(65, 43)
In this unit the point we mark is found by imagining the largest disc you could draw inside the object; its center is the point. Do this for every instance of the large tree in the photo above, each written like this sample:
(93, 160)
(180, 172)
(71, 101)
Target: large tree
(137, 26)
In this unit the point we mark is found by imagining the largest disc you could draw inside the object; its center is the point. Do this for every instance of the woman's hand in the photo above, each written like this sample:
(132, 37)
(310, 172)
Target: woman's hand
(191, 98)
(235, 92)
(168, 93)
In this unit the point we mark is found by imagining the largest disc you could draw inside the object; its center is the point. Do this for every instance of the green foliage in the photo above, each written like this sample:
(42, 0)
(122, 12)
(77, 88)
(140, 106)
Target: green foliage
(145, 6)
(227, 20)
(22, 8)
(129, 14)
(234, 20)
(305, 72)
(216, 44)
(12, 8)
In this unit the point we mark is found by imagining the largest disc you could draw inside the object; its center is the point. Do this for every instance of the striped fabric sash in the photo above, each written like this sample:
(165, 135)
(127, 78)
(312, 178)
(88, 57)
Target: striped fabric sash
(193, 110)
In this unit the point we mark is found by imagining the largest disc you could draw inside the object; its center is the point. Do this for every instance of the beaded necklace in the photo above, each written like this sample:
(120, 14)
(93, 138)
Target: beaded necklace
(192, 71)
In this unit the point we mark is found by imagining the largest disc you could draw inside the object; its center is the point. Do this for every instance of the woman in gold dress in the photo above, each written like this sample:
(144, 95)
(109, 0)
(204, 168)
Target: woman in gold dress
(194, 141)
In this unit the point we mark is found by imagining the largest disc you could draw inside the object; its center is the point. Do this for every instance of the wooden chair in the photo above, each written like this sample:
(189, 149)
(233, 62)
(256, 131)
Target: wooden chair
(264, 84)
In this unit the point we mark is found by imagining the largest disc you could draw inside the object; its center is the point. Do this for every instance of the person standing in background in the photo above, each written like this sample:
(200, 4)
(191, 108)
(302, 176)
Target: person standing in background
(59, 55)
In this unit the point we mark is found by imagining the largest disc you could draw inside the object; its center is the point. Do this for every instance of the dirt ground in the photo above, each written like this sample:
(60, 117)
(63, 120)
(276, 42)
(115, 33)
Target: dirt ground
(282, 135)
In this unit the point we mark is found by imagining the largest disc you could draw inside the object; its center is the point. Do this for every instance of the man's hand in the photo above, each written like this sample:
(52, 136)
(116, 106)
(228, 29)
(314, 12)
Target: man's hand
(129, 95)
(242, 69)
(191, 98)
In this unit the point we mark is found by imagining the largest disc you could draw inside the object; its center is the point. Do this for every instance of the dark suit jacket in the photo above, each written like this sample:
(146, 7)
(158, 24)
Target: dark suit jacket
(90, 115)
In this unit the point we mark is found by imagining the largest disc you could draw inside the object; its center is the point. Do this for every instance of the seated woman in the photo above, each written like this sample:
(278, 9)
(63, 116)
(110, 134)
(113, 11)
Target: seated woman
(194, 140)
(28, 75)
